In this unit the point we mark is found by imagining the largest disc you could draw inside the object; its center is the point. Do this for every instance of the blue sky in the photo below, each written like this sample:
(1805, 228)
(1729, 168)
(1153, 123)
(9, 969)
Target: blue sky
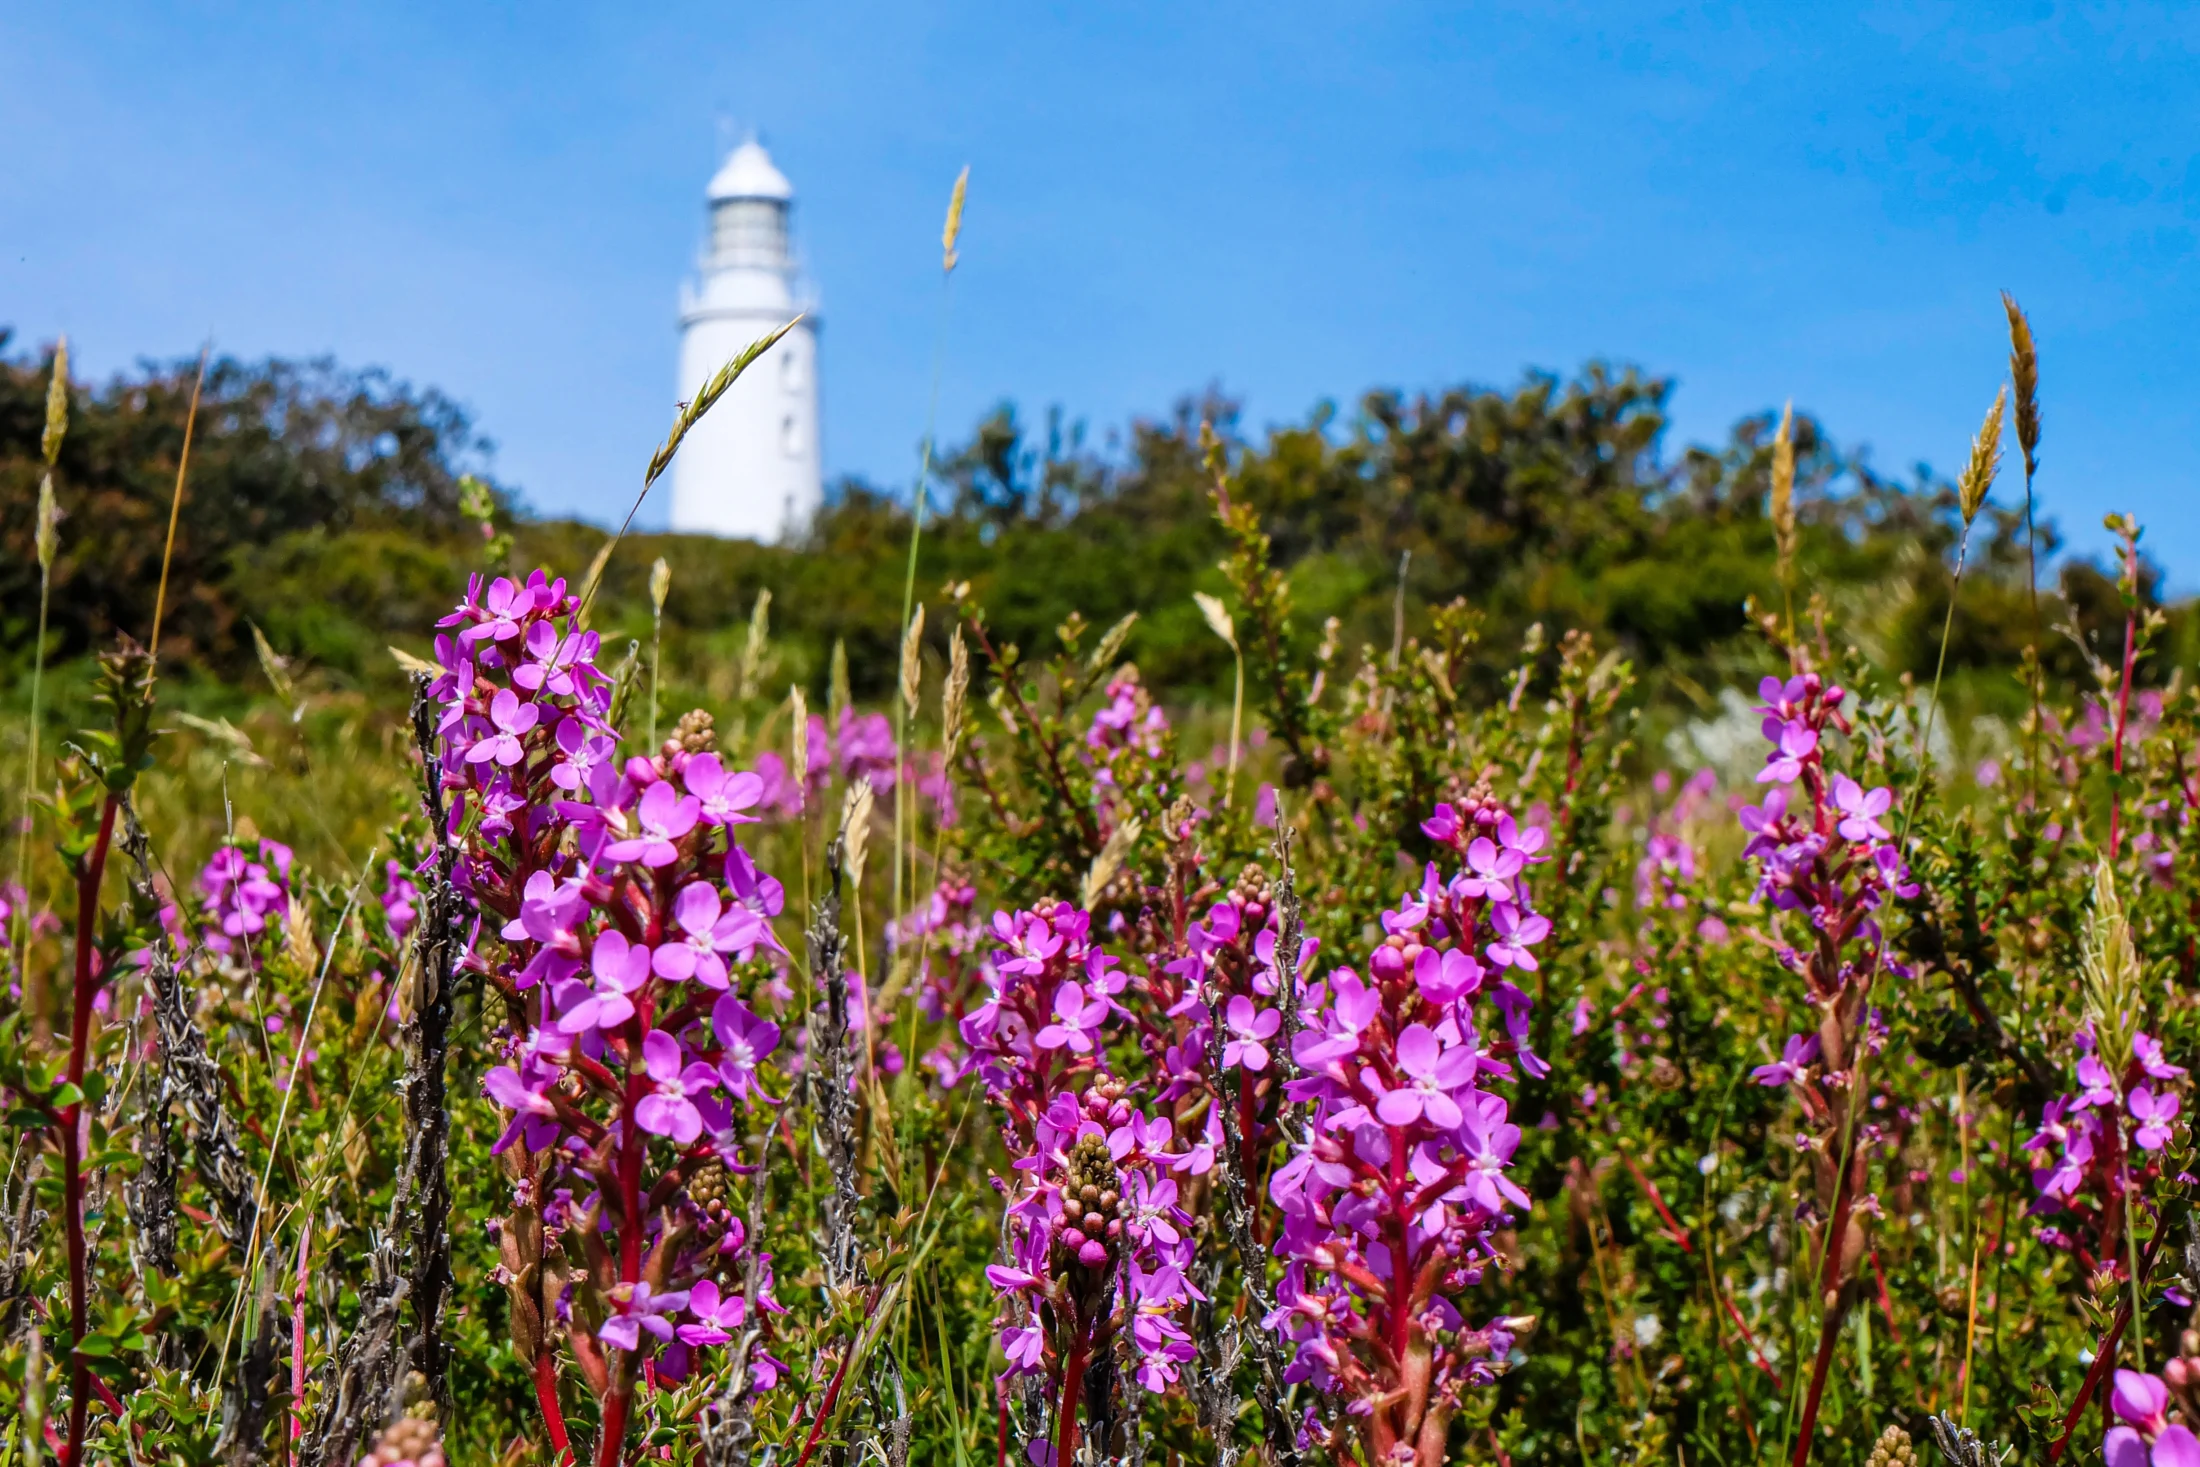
(1294, 202)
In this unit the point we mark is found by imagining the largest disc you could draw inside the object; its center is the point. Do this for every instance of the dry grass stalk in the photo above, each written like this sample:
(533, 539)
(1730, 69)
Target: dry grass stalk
(1109, 861)
(691, 413)
(954, 698)
(1984, 463)
(594, 574)
(837, 695)
(413, 665)
(660, 586)
(1218, 620)
(175, 501)
(912, 662)
(954, 229)
(48, 541)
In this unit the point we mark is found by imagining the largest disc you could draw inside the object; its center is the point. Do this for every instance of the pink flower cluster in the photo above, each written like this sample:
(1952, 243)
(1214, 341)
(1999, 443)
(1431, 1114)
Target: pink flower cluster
(1832, 858)
(2089, 1142)
(1391, 1205)
(243, 895)
(618, 907)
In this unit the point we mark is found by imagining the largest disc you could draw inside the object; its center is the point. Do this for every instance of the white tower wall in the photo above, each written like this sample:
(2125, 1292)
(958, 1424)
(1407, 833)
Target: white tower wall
(751, 467)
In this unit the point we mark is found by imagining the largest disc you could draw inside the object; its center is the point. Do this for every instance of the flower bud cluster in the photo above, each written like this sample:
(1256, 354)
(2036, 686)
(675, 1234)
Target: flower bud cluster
(1097, 1245)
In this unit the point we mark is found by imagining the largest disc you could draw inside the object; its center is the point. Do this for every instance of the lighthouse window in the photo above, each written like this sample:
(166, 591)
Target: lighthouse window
(790, 437)
(790, 371)
(749, 232)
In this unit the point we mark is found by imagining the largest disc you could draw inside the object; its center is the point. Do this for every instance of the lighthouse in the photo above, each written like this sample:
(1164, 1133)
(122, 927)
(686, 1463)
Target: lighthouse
(750, 468)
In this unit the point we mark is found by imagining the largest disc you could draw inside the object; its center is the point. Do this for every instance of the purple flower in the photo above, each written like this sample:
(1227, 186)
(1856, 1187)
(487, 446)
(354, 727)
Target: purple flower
(1517, 933)
(512, 719)
(1447, 977)
(1796, 1056)
(664, 815)
(620, 967)
(2142, 1400)
(1248, 1030)
(1794, 742)
(748, 1042)
(723, 796)
(581, 752)
(500, 610)
(1153, 1213)
(1430, 1073)
(716, 1314)
(1489, 1140)
(637, 1307)
(1861, 811)
(1076, 1020)
(2154, 1113)
(2147, 1050)
(667, 1110)
(1491, 870)
(525, 1092)
(706, 928)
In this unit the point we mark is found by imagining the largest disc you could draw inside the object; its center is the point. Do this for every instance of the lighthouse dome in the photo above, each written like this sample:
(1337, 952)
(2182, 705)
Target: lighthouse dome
(749, 173)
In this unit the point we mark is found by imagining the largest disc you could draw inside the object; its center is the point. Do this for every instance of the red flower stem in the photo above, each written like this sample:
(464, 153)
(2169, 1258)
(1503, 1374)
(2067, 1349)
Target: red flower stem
(546, 1392)
(614, 1423)
(613, 1444)
(2103, 1358)
(825, 1407)
(1673, 1228)
(1829, 1331)
(1073, 1377)
(1000, 1448)
(1751, 1339)
(298, 1332)
(72, 1116)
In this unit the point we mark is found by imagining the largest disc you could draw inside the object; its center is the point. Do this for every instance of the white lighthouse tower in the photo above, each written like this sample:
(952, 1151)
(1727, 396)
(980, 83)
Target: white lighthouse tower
(750, 467)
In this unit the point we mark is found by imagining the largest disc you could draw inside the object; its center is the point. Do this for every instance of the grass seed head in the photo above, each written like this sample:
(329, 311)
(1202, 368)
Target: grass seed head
(2111, 972)
(1985, 461)
(2024, 375)
(1218, 617)
(1783, 490)
(660, 586)
(57, 405)
(954, 697)
(912, 661)
(954, 228)
(855, 827)
(49, 524)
